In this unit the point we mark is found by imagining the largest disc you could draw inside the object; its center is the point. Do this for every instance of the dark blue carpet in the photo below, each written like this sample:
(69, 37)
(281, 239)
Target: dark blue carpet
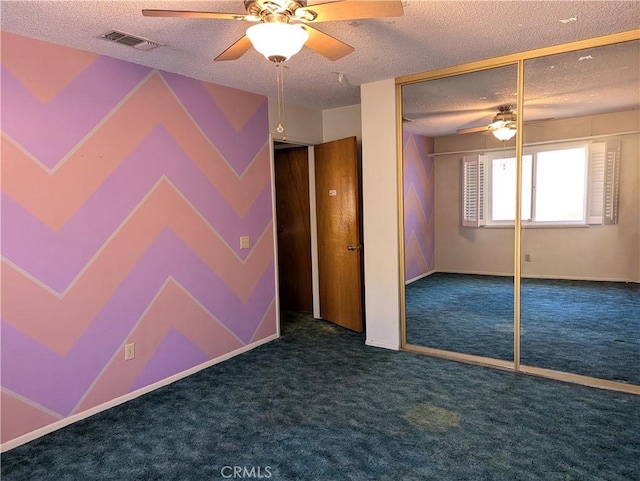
(318, 404)
(581, 327)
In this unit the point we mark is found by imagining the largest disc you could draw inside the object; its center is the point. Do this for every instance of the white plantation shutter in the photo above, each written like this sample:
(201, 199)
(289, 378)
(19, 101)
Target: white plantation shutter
(595, 203)
(473, 190)
(611, 182)
(604, 182)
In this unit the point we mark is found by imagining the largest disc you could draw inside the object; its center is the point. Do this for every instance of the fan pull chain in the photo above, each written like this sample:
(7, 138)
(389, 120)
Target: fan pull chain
(280, 83)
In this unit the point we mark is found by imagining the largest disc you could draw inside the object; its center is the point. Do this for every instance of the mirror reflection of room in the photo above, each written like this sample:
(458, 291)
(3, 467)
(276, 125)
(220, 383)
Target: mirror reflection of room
(459, 279)
(578, 236)
(580, 297)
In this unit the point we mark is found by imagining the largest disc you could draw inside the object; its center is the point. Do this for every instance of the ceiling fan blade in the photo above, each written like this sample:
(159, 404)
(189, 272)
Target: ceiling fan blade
(326, 45)
(236, 50)
(472, 130)
(354, 9)
(188, 14)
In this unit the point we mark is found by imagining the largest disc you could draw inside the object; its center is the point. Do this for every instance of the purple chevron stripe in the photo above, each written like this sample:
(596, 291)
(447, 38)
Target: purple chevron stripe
(413, 269)
(55, 258)
(417, 175)
(238, 148)
(425, 195)
(50, 131)
(58, 383)
(412, 218)
(422, 143)
(175, 354)
(423, 146)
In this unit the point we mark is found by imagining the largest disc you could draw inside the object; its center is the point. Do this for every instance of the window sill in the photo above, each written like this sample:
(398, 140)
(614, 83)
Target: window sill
(550, 225)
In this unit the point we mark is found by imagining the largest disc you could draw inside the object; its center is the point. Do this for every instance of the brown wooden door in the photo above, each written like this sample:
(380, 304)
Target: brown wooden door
(294, 231)
(337, 172)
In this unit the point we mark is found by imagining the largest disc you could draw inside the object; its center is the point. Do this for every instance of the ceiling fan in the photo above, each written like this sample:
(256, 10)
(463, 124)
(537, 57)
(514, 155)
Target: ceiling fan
(503, 126)
(289, 20)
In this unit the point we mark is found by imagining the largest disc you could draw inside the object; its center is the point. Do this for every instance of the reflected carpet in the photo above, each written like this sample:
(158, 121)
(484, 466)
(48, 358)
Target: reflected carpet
(581, 327)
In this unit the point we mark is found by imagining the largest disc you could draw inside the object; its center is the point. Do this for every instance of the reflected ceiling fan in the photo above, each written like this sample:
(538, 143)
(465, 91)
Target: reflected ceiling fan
(503, 126)
(282, 27)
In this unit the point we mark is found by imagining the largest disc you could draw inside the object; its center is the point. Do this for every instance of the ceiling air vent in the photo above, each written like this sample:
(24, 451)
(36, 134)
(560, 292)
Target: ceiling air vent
(130, 40)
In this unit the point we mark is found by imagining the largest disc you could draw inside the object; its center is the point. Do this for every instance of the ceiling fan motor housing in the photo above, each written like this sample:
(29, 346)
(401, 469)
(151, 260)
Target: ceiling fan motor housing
(505, 114)
(273, 10)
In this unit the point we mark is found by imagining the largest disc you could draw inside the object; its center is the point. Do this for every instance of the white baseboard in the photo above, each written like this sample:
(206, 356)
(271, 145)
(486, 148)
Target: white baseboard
(537, 276)
(478, 273)
(421, 276)
(25, 438)
(382, 345)
(577, 278)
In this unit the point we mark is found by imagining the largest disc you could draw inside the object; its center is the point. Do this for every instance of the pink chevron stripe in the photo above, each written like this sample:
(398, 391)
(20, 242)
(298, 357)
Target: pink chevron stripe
(32, 61)
(415, 260)
(19, 417)
(172, 309)
(423, 145)
(55, 198)
(50, 132)
(268, 326)
(58, 382)
(55, 258)
(426, 247)
(236, 147)
(422, 207)
(419, 223)
(38, 312)
(237, 106)
(418, 172)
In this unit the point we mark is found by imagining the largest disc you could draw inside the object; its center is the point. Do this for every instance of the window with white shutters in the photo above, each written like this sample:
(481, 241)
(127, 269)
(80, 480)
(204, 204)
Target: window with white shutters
(563, 184)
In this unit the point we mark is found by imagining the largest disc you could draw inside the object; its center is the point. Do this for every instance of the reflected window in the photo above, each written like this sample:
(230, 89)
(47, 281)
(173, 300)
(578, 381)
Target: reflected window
(561, 185)
(503, 189)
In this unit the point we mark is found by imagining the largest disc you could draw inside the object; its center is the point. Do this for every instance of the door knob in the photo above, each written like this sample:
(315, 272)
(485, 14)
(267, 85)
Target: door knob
(354, 247)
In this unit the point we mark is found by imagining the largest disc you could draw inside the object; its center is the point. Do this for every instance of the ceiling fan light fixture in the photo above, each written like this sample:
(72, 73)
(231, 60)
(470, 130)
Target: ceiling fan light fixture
(504, 133)
(277, 41)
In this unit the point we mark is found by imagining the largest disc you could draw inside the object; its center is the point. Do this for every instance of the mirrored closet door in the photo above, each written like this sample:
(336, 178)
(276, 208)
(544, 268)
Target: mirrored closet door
(520, 213)
(580, 297)
(458, 268)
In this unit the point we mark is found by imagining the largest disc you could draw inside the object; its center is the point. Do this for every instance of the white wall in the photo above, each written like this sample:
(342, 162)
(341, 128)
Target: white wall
(309, 126)
(303, 125)
(380, 214)
(342, 122)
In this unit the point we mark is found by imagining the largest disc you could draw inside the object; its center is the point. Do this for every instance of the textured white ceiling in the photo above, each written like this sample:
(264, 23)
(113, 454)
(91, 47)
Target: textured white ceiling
(431, 34)
(572, 84)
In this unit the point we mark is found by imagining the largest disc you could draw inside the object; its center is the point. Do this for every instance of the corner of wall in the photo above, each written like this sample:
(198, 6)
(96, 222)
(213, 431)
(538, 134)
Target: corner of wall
(380, 214)
(303, 125)
(342, 122)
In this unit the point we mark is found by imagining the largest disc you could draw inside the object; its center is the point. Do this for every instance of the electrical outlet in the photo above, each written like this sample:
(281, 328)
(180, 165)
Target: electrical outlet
(244, 242)
(129, 351)
(527, 257)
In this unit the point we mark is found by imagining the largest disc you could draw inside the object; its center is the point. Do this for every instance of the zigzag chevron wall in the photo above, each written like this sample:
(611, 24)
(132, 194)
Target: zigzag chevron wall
(124, 193)
(419, 224)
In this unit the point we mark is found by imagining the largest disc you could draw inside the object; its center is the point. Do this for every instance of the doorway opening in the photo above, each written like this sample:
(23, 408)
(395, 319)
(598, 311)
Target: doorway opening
(318, 231)
(293, 227)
